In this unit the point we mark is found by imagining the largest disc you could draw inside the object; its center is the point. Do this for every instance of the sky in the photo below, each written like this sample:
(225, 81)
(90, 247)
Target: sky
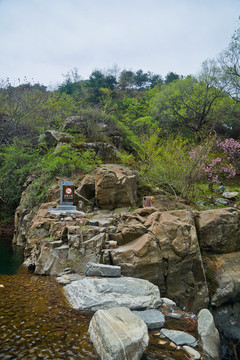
(43, 40)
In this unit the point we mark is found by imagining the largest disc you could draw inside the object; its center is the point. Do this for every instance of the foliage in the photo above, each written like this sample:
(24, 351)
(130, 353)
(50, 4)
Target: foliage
(192, 104)
(165, 161)
(17, 162)
(229, 61)
(66, 160)
(217, 164)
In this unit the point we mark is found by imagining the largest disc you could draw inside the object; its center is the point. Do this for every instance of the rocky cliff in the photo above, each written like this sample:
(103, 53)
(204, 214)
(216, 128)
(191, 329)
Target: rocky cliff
(193, 257)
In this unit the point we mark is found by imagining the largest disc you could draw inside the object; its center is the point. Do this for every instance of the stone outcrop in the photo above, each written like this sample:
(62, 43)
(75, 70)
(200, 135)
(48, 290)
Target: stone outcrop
(91, 126)
(118, 334)
(164, 247)
(105, 151)
(53, 137)
(219, 230)
(227, 320)
(104, 293)
(116, 186)
(227, 277)
(168, 254)
(209, 335)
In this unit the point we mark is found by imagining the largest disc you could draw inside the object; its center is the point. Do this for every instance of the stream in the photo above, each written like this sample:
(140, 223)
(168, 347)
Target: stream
(36, 321)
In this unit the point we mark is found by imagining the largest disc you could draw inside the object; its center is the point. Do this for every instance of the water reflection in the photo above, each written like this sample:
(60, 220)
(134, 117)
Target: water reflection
(37, 323)
(11, 257)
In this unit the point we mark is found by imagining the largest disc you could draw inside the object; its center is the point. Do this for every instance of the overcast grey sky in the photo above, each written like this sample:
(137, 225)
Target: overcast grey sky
(43, 39)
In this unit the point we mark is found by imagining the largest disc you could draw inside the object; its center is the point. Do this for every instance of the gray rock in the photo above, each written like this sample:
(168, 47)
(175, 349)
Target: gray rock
(152, 317)
(221, 201)
(209, 335)
(230, 194)
(226, 317)
(192, 352)
(92, 269)
(168, 302)
(53, 137)
(104, 293)
(221, 189)
(179, 337)
(118, 334)
(200, 203)
(61, 280)
(227, 279)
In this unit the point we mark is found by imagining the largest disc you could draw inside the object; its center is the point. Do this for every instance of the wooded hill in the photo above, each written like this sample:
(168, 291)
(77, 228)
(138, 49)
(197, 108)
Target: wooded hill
(178, 132)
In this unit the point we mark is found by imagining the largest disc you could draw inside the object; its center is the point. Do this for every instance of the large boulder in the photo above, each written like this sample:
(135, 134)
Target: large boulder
(219, 230)
(53, 137)
(167, 254)
(209, 335)
(104, 293)
(105, 151)
(115, 186)
(118, 334)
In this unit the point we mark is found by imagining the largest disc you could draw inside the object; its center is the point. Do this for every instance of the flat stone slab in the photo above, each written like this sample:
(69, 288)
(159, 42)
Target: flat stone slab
(65, 210)
(92, 269)
(152, 317)
(179, 337)
(118, 334)
(103, 293)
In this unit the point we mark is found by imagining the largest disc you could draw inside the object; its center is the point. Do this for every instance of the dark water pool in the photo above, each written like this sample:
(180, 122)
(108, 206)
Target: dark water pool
(36, 322)
(11, 257)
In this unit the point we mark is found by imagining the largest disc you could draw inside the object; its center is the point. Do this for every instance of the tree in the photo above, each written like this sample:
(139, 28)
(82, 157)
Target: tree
(229, 61)
(171, 76)
(141, 79)
(18, 107)
(126, 80)
(154, 79)
(99, 80)
(192, 104)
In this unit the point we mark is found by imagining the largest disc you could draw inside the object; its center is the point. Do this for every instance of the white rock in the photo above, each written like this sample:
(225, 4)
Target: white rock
(209, 335)
(118, 334)
(192, 352)
(103, 293)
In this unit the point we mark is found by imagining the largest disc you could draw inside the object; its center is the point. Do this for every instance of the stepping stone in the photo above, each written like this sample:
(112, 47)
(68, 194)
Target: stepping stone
(153, 318)
(179, 337)
(92, 269)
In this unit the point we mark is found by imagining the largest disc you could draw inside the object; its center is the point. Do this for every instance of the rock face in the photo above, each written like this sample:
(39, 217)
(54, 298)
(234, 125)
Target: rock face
(53, 137)
(94, 294)
(161, 246)
(118, 334)
(168, 255)
(209, 335)
(219, 230)
(116, 186)
(227, 276)
(105, 151)
(226, 318)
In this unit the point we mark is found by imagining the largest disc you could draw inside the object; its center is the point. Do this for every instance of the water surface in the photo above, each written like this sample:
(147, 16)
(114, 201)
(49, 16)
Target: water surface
(36, 321)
